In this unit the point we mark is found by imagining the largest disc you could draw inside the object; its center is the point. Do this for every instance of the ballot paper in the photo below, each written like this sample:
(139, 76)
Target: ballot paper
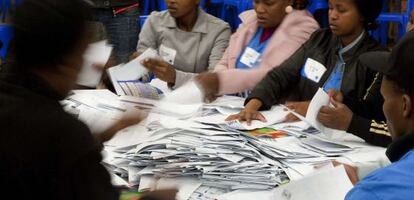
(331, 184)
(276, 115)
(183, 102)
(140, 89)
(320, 99)
(96, 54)
(185, 185)
(131, 71)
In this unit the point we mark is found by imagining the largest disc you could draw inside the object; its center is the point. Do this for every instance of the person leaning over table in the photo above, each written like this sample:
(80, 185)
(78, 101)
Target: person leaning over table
(395, 181)
(329, 60)
(378, 130)
(268, 35)
(189, 40)
(45, 152)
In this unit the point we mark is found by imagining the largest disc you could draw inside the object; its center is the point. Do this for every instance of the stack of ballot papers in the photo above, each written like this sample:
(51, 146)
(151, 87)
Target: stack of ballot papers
(97, 54)
(203, 156)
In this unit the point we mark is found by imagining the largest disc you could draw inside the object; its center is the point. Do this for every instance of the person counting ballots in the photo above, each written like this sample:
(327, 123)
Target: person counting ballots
(189, 40)
(394, 181)
(45, 152)
(268, 35)
(332, 54)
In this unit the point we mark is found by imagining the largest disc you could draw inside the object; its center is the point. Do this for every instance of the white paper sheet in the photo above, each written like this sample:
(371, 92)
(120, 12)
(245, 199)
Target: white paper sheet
(97, 54)
(331, 184)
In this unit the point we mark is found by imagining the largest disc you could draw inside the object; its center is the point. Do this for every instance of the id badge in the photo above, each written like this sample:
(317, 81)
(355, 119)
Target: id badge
(168, 54)
(250, 57)
(313, 70)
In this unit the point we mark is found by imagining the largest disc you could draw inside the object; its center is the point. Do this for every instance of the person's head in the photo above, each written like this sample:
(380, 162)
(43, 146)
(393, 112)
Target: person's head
(398, 84)
(410, 25)
(270, 13)
(50, 39)
(181, 8)
(350, 17)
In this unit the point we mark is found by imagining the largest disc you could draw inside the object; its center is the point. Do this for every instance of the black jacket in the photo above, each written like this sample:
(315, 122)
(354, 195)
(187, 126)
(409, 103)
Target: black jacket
(286, 82)
(44, 152)
(113, 3)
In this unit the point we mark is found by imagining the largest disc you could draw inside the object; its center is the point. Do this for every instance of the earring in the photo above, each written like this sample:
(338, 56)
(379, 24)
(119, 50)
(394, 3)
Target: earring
(288, 9)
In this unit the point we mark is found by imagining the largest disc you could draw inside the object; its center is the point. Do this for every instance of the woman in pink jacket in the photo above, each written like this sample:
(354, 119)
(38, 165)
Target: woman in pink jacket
(268, 35)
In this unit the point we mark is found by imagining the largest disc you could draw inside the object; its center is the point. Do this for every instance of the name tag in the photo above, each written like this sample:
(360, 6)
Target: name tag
(167, 54)
(250, 57)
(313, 70)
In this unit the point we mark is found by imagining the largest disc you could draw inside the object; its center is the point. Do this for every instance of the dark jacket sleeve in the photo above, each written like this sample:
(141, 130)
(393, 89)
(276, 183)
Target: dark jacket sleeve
(91, 180)
(368, 119)
(81, 160)
(277, 81)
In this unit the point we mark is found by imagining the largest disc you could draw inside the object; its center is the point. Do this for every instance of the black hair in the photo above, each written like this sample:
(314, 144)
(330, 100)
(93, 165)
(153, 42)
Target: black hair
(300, 4)
(45, 31)
(370, 10)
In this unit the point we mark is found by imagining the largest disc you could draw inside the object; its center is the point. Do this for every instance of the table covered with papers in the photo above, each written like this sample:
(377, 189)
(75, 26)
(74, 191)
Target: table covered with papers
(189, 146)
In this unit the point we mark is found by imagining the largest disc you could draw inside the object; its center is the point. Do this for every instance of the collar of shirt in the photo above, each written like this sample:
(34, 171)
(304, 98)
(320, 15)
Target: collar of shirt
(400, 147)
(199, 27)
(31, 82)
(344, 50)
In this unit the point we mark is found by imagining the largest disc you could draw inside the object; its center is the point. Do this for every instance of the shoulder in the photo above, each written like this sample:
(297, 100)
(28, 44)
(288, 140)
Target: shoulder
(321, 39)
(371, 44)
(301, 17)
(159, 14)
(216, 23)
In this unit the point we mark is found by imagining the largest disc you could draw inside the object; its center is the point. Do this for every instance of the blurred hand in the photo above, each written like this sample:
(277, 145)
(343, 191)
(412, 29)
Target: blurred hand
(134, 55)
(161, 69)
(299, 107)
(127, 120)
(336, 95)
(249, 113)
(209, 83)
(351, 171)
(339, 117)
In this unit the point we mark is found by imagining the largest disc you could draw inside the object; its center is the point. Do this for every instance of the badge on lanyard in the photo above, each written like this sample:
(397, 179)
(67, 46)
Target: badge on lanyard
(167, 54)
(313, 70)
(250, 57)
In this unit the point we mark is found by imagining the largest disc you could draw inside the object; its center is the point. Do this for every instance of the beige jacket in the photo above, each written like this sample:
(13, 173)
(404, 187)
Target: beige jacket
(189, 52)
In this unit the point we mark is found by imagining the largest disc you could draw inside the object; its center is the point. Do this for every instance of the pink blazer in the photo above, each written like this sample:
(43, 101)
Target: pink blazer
(294, 30)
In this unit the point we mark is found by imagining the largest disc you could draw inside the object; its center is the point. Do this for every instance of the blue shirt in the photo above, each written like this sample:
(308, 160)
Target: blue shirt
(394, 182)
(256, 45)
(335, 79)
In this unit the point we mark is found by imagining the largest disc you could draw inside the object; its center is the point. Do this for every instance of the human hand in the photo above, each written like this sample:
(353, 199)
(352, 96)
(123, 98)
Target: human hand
(336, 95)
(209, 83)
(299, 107)
(337, 117)
(161, 69)
(249, 113)
(134, 55)
(127, 120)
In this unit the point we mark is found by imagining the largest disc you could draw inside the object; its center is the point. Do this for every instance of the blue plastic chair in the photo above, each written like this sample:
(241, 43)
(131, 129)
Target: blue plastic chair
(315, 5)
(142, 20)
(5, 7)
(401, 18)
(149, 6)
(231, 10)
(6, 34)
(214, 7)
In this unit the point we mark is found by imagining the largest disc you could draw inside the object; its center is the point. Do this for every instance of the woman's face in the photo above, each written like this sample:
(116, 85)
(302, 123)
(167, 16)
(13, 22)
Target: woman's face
(344, 18)
(180, 8)
(270, 13)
